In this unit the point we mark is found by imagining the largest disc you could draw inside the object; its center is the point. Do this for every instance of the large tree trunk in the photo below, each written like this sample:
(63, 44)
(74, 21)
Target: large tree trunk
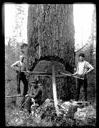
(51, 33)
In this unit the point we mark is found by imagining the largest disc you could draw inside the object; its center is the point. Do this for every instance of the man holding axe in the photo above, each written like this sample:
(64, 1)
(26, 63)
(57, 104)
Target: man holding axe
(83, 68)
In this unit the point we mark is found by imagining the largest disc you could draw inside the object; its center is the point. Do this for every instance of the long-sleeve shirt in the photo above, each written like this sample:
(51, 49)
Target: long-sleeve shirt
(83, 67)
(20, 65)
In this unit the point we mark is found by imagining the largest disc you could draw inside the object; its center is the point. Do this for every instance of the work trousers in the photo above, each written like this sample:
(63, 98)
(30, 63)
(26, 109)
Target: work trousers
(22, 77)
(83, 83)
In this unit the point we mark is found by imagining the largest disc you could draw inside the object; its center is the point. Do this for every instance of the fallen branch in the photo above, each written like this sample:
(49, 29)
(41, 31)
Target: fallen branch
(81, 48)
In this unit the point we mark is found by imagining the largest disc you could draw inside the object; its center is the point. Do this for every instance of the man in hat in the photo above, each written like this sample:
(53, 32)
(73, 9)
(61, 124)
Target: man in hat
(20, 68)
(83, 68)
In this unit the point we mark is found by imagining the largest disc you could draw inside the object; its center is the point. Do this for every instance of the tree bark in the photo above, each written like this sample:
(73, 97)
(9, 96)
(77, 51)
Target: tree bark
(51, 33)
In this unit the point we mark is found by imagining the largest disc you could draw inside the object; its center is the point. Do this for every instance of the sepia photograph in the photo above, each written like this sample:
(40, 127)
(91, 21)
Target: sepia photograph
(50, 64)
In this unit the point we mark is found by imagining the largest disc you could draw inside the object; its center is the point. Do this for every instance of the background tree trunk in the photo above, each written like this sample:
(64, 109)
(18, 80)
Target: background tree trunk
(51, 33)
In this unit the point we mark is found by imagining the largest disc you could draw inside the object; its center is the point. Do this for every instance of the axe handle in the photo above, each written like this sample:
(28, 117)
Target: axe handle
(71, 75)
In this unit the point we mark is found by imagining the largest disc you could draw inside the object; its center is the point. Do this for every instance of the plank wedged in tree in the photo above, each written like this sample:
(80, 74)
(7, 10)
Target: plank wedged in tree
(13, 96)
(38, 73)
